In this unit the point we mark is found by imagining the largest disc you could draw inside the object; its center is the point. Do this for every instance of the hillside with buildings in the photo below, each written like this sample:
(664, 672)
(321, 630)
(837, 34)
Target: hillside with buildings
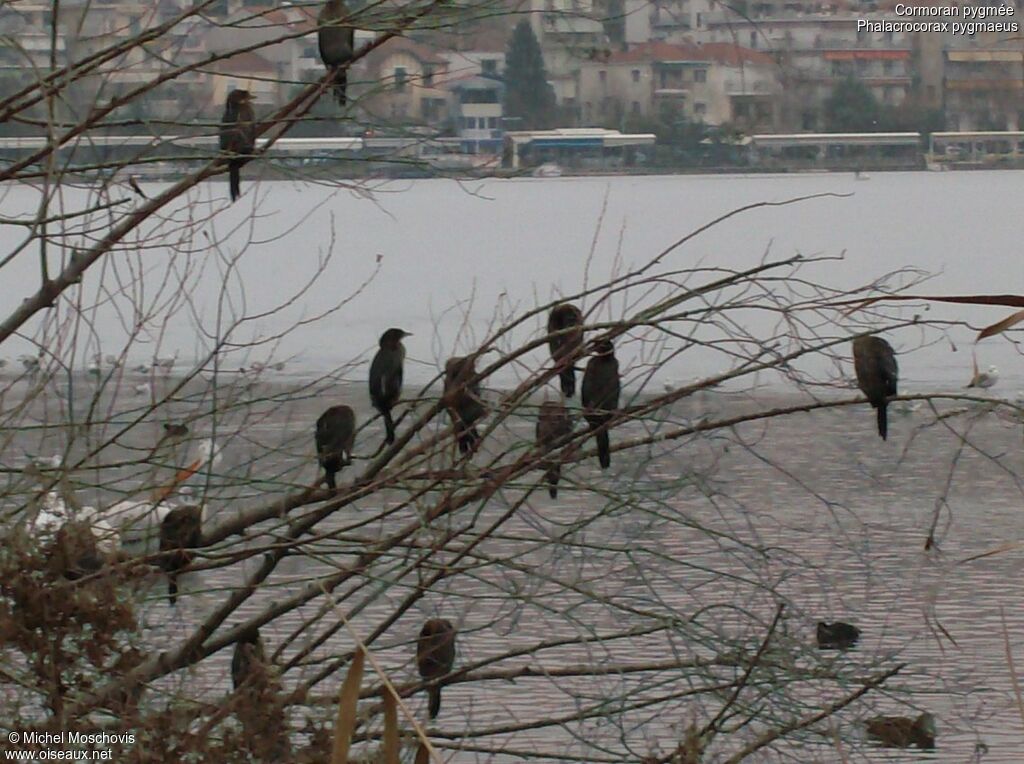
(680, 69)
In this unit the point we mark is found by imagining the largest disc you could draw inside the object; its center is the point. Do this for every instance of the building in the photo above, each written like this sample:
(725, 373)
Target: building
(477, 112)
(404, 81)
(817, 46)
(984, 88)
(715, 83)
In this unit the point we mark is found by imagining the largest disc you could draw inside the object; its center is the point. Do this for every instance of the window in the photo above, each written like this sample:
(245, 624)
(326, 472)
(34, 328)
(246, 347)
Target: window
(400, 77)
(471, 123)
(428, 76)
(489, 66)
(753, 39)
(492, 123)
(636, 75)
(700, 109)
(636, 107)
(603, 76)
(887, 67)
(700, 75)
(700, 21)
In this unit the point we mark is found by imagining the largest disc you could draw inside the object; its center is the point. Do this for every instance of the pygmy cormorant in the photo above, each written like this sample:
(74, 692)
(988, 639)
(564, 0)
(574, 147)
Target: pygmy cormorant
(337, 41)
(553, 426)
(600, 394)
(386, 377)
(237, 135)
(567, 321)
(435, 656)
(877, 373)
(335, 436)
(463, 401)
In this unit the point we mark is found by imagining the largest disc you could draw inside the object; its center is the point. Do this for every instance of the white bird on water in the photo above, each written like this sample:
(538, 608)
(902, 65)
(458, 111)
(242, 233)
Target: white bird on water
(136, 521)
(985, 379)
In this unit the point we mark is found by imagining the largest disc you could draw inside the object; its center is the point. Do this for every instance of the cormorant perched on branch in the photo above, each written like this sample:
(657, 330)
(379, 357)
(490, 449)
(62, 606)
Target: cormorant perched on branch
(237, 135)
(463, 401)
(335, 436)
(337, 41)
(877, 374)
(567, 319)
(435, 656)
(600, 394)
(248, 659)
(553, 426)
(180, 532)
(386, 377)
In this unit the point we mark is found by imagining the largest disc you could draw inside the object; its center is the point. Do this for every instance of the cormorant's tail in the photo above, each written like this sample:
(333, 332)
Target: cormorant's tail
(554, 472)
(172, 588)
(389, 427)
(235, 176)
(604, 446)
(567, 377)
(329, 479)
(469, 439)
(883, 420)
(341, 86)
(435, 701)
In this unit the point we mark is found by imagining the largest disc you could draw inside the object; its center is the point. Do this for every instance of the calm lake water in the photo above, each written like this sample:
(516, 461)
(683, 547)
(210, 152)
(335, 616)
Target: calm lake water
(814, 507)
(442, 259)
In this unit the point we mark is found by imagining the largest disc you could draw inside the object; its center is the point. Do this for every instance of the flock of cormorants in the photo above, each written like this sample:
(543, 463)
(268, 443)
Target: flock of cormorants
(874, 364)
(600, 391)
(335, 438)
(877, 376)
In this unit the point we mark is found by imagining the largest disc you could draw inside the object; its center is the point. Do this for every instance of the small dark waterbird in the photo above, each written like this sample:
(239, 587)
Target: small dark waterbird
(180, 532)
(238, 136)
(568, 321)
(172, 430)
(435, 656)
(337, 42)
(553, 427)
(335, 436)
(463, 401)
(837, 636)
(386, 377)
(600, 393)
(874, 361)
(248, 659)
(903, 732)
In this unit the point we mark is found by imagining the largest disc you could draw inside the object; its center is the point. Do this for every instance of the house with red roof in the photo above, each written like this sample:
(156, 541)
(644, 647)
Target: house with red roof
(714, 83)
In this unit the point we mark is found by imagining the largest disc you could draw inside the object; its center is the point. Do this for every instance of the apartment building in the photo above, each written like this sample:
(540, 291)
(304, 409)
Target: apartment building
(714, 83)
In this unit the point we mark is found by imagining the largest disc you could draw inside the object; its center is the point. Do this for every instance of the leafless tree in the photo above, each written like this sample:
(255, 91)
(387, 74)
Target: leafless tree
(644, 616)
